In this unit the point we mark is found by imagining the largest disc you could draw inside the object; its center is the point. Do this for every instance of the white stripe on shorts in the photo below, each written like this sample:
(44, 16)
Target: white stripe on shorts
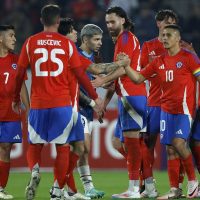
(132, 112)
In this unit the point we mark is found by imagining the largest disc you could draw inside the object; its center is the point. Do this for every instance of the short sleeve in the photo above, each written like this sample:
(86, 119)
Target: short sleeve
(144, 56)
(24, 55)
(85, 62)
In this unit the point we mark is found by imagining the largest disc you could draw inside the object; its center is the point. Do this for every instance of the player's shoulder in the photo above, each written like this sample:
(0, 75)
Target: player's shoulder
(13, 56)
(151, 42)
(126, 37)
(189, 55)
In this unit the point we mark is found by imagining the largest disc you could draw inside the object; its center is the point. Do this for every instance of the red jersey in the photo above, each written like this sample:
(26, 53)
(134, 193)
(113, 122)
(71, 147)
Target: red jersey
(176, 75)
(51, 56)
(74, 85)
(128, 43)
(151, 50)
(8, 71)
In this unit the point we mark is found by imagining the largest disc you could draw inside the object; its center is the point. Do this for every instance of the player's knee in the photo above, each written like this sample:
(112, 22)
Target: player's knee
(79, 148)
(179, 144)
(5, 152)
(116, 143)
(171, 153)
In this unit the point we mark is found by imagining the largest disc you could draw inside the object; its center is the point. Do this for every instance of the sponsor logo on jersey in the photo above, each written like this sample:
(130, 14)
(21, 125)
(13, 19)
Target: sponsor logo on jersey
(179, 65)
(152, 53)
(162, 66)
(14, 66)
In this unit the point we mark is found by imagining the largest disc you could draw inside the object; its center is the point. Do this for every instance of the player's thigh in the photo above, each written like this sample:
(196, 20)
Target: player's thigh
(77, 132)
(50, 125)
(10, 132)
(60, 124)
(118, 137)
(174, 126)
(153, 120)
(195, 131)
(133, 113)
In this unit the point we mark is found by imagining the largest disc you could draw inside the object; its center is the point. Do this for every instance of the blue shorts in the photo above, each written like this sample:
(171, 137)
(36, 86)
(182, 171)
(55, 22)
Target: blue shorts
(118, 131)
(195, 132)
(10, 132)
(51, 125)
(174, 126)
(153, 119)
(77, 132)
(132, 112)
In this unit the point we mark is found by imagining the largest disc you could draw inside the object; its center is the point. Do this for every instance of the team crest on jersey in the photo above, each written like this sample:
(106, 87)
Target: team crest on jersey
(179, 64)
(14, 66)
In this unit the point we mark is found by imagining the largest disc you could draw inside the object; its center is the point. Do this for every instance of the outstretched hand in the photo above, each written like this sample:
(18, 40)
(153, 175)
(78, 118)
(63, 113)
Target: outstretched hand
(16, 107)
(97, 82)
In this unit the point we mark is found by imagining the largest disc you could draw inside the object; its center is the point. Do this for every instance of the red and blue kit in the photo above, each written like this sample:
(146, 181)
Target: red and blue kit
(177, 78)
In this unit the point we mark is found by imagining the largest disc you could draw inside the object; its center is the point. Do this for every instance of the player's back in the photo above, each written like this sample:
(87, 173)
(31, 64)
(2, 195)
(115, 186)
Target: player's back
(49, 56)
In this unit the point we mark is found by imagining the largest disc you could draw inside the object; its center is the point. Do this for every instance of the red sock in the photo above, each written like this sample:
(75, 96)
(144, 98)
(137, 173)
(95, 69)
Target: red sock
(173, 168)
(133, 157)
(4, 173)
(146, 161)
(189, 168)
(61, 165)
(181, 173)
(34, 155)
(73, 158)
(123, 152)
(196, 154)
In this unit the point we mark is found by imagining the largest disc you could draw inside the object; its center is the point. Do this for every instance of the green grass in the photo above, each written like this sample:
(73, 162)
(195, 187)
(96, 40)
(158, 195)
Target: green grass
(111, 182)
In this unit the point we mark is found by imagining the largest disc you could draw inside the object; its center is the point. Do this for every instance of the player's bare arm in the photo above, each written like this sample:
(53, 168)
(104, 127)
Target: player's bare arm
(25, 99)
(105, 68)
(100, 81)
(136, 77)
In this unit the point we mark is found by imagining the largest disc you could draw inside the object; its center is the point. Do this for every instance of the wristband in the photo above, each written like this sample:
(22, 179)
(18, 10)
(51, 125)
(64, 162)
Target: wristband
(92, 103)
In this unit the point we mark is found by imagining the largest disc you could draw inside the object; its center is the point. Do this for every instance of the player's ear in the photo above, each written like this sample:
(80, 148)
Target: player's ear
(123, 20)
(158, 24)
(41, 20)
(58, 20)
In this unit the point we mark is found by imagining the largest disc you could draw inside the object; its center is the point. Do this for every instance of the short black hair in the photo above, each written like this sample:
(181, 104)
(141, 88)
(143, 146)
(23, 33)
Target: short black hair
(128, 25)
(49, 14)
(174, 26)
(66, 26)
(166, 14)
(6, 27)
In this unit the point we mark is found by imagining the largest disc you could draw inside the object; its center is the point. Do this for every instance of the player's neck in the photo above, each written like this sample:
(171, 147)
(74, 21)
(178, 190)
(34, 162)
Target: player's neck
(173, 51)
(3, 52)
(85, 48)
(50, 29)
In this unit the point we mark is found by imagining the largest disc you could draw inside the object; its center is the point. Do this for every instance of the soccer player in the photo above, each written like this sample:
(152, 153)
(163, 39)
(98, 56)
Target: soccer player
(51, 57)
(150, 50)
(92, 33)
(176, 70)
(132, 97)
(10, 122)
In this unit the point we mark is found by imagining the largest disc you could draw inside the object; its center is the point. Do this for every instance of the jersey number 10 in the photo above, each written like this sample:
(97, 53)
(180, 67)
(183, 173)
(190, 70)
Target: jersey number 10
(169, 75)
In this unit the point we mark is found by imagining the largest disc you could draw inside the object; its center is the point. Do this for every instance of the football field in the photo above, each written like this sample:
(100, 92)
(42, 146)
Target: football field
(110, 181)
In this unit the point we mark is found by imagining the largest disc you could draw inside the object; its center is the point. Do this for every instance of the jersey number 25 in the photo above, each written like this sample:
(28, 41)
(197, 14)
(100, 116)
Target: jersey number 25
(45, 57)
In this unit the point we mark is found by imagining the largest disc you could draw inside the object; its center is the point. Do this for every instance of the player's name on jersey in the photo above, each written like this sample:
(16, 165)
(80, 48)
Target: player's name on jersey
(49, 42)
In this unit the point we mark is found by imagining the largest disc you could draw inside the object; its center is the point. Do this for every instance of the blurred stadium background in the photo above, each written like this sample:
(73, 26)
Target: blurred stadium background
(25, 16)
